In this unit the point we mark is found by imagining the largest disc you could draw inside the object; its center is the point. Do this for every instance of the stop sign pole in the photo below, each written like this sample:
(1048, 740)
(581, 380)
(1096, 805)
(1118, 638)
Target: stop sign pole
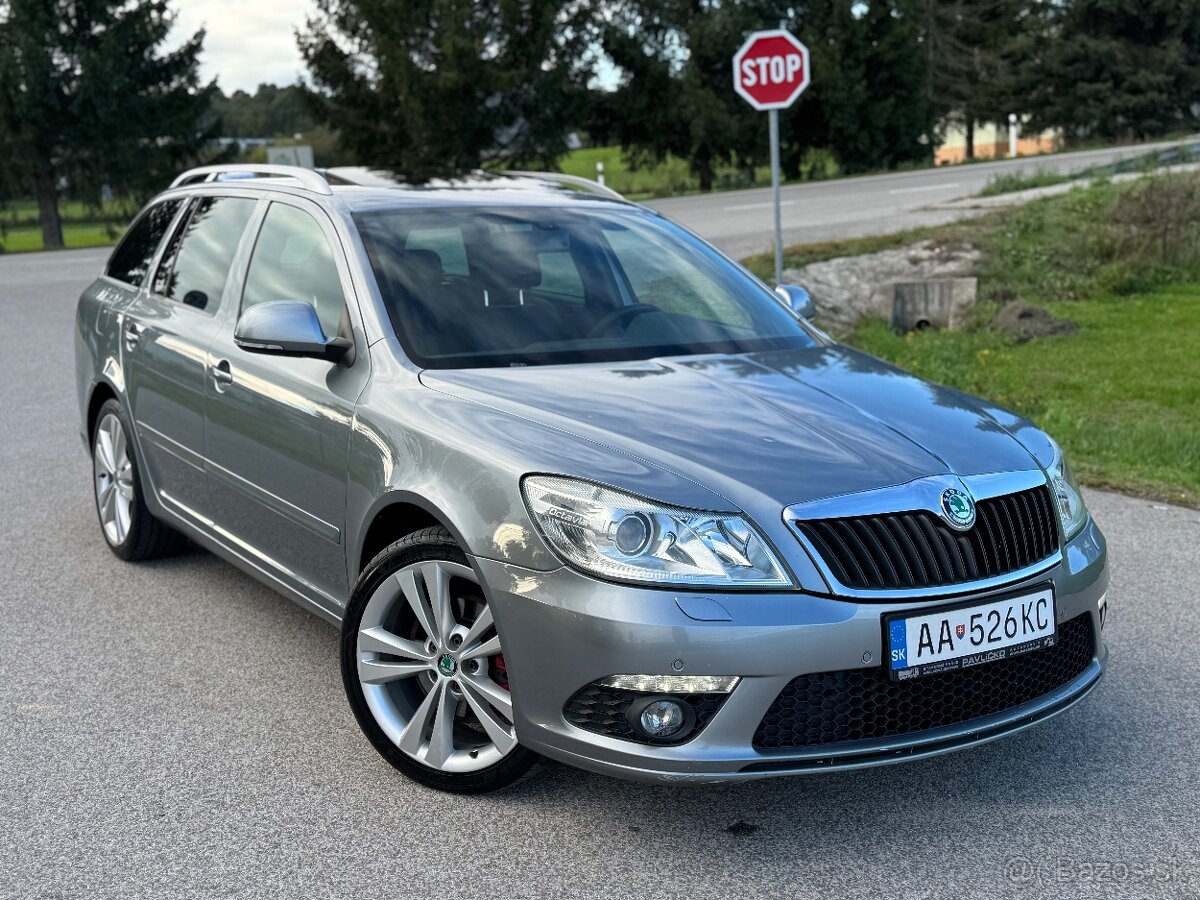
(770, 71)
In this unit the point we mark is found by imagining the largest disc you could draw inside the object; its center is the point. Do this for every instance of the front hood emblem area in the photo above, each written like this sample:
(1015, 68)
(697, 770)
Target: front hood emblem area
(958, 509)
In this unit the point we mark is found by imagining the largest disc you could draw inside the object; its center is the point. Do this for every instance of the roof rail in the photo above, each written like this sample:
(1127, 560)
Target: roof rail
(314, 181)
(586, 184)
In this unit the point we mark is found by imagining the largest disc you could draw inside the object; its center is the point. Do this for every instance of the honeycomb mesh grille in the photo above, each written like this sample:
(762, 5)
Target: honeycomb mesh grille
(602, 709)
(864, 704)
(917, 549)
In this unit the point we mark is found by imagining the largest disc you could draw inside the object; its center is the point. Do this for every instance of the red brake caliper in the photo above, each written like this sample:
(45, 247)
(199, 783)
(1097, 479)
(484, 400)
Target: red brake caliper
(499, 671)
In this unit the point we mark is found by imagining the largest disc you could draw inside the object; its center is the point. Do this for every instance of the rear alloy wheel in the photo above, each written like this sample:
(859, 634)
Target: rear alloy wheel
(425, 672)
(130, 529)
(114, 479)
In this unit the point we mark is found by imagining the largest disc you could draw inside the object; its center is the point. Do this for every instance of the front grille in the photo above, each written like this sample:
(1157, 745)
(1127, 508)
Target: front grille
(863, 704)
(918, 550)
(601, 709)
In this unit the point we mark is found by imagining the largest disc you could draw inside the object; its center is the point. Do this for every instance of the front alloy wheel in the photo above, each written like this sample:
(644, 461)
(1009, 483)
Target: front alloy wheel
(425, 672)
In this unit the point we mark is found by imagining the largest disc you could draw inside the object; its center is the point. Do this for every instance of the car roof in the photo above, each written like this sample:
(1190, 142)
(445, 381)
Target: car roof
(365, 189)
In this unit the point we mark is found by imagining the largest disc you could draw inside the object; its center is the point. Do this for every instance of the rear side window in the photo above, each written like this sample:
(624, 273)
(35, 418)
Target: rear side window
(293, 261)
(196, 265)
(130, 262)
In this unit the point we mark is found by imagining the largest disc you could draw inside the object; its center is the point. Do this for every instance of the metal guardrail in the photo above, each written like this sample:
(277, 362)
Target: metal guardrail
(309, 179)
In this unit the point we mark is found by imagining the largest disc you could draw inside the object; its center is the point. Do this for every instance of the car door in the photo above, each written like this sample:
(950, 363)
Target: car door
(165, 334)
(278, 428)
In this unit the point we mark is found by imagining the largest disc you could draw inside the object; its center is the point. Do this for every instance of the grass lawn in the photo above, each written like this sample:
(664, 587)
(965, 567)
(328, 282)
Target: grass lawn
(1121, 394)
(82, 226)
(25, 212)
(75, 235)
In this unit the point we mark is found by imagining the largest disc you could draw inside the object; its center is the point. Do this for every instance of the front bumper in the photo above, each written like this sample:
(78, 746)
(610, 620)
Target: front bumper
(562, 630)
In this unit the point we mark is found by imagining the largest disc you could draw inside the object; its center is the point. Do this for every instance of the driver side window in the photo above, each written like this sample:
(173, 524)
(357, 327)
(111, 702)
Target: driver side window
(293, 261)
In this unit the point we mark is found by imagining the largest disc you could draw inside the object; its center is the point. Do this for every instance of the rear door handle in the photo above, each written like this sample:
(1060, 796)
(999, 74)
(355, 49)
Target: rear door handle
(221, 374)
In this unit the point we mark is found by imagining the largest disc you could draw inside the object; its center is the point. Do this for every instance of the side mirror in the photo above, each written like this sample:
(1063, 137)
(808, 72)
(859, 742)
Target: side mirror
(288, 328)
(797, 299)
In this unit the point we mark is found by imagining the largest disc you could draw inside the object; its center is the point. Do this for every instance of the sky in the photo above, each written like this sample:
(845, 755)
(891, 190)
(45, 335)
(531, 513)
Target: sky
(247, 43)
(251, 43)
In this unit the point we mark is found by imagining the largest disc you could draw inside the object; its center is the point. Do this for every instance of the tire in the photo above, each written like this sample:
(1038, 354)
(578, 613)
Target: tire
(424, 706)
(129, 528)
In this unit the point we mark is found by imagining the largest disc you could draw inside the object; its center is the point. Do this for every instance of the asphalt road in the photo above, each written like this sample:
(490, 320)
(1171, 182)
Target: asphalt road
(177, 730)
(741, 222)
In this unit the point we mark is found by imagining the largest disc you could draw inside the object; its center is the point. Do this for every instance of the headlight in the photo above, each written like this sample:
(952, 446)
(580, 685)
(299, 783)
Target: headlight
(1067, 496)
(616, 535)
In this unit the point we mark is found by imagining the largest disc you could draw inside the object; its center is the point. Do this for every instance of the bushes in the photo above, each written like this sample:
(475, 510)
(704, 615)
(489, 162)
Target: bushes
(1102, 238)
(1159, 222)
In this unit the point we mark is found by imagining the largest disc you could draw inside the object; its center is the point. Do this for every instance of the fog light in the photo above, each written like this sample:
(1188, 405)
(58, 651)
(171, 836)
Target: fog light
(666, 719)
(663, 718)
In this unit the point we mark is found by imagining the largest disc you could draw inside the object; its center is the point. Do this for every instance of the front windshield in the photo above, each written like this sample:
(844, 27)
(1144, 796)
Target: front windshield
(536, 286)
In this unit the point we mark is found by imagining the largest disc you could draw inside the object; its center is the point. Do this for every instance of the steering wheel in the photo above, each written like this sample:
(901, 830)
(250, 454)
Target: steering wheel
(622, 316)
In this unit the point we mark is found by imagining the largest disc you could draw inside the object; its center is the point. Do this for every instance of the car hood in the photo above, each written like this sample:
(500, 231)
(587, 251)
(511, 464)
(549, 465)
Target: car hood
(786, 426)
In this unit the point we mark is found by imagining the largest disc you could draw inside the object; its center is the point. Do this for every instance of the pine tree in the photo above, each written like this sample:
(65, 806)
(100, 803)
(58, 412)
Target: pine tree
(869, 103)
(867, 106)
(426, 87)
(1113, 69)
(88, 97)
(676, 94)
(965, 45)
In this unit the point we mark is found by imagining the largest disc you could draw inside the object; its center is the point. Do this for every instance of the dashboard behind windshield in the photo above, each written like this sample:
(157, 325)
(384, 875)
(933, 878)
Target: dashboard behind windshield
(533, 286)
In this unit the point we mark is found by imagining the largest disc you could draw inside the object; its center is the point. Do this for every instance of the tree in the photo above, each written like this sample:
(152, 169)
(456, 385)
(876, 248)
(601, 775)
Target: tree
(869, 103)
(676, 95)
(1113, 68)
(87, 96)
(965, 45)
(269, 112)
(425, 87)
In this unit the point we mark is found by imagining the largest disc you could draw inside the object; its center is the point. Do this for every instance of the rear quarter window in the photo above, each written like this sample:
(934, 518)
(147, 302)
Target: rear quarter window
(130, 262)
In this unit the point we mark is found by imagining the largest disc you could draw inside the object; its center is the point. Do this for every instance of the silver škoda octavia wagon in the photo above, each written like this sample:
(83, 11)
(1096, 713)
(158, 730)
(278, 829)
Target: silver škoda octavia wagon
(575, 485)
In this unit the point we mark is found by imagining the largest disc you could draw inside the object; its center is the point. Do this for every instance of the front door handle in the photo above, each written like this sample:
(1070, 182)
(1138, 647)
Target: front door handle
(221, 374)
(133, 334)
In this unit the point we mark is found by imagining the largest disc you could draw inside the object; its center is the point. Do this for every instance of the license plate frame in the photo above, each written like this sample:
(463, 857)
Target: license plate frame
(968, 659)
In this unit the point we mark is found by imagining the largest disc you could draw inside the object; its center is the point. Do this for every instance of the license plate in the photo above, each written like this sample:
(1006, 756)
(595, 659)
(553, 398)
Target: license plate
(932, 642)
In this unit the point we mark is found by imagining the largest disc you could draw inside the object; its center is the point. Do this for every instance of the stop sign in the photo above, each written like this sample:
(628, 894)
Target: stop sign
(771, 69)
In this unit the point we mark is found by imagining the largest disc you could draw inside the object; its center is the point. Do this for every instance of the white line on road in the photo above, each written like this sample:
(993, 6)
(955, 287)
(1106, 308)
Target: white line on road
(928, 187)
(766, 205)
